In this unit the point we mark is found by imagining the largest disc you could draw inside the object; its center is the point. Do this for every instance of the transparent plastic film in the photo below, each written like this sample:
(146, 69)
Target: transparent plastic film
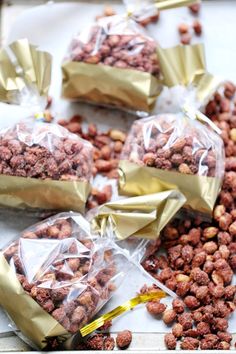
(142, 217)
(36, 157)
(62, 274)
(114, 52)
(141, 10)
(173, 151)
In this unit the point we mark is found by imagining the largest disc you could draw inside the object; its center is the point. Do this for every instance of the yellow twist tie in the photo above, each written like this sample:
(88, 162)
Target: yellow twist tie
(128, 305)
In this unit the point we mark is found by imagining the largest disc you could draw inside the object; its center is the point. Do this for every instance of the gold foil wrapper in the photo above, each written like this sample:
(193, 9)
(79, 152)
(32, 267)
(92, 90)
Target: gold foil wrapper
(143, 216)
(128, 305)
(171, 4)
(133, 89)
(23, 192)
(200, 191)
(23, 66)
(30, 318)
(186, 66)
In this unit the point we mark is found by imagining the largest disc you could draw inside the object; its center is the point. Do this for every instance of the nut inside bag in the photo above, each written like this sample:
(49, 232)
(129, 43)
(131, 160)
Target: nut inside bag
(42, 165)
(179, 150)
(113, 63)
(57, 276)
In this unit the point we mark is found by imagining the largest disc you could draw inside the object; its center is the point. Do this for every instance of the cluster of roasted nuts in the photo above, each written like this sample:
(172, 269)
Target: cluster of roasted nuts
(201, 257)
(54, 286)
(106, 44)
(107, 147)
(44, 151)
(103, 341)
(171, 143)
(186, 31)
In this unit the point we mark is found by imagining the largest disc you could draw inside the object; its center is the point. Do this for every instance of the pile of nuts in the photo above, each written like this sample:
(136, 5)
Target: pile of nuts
(54, 286)
(168, 143)
(107, 45)
(44, 151)
(106, 153)
(186, 31)
(201, 257)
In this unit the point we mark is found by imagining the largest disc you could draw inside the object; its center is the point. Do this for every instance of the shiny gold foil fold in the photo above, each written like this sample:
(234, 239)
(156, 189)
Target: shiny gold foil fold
(200, 191)
(143, 216)
(30, 318)
(186, 65)
(25, 192)
(171, 4)
(133, 89)
(23, 66)
(128, 305)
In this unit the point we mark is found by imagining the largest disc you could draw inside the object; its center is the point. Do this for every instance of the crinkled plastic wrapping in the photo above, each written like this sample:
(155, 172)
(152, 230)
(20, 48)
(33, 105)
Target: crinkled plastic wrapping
(173, 151)
(57, 276)
(44, 167)
(141, 10)
(113, 63)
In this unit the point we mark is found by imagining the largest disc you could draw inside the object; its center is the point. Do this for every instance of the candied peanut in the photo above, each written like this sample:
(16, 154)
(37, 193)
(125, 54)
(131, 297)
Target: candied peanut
(210, 232)
(170, 341)
(189, 343)
(177, 330)
(169, 316)
(186, 320)
(191, 302)
(155, 307)
(124, 339)
(178, 305)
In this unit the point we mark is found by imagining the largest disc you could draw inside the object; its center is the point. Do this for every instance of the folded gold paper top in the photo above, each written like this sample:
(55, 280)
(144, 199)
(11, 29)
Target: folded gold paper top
(143, 216)
(24, 71)
(186, 66)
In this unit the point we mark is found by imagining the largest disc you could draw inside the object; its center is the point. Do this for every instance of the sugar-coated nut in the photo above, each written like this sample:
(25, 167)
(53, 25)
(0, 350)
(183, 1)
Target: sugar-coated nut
(197, 27)
(223, 346)
(200, 276)
(224, 336)
(195, 8)
(183, 28)
(210, 232)
(210, 247)
(191, 302)
(178, 305)
(108, 343)
(124, 339)
(169, 316)
(177, 330)
(189, 343)
(201, 292)
(182, 277)
(95, 342)
(186, 320)
(203, 328)
(155, 307)
(186, 38)
(170, 341)
(219, 211)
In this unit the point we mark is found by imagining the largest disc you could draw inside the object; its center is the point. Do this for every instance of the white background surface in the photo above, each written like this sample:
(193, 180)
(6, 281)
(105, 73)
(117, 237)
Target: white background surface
(51, 26)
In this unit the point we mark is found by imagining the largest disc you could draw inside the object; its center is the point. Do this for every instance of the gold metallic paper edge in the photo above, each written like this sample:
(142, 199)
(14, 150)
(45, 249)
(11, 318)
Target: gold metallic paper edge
(27, 314)
(25, 192)
(144, 216)
(186, 65)
(105, 85)
(200, 191)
